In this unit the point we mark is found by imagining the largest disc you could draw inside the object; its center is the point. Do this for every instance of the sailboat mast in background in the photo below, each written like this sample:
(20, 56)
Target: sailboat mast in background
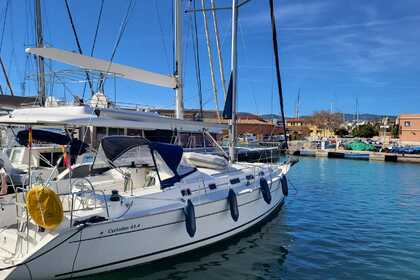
(179, 92)
(233, 66)
(39, 59)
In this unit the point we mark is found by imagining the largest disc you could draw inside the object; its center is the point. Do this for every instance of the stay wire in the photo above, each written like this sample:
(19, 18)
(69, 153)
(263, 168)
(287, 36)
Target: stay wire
(97, 28)
(94, 40)
(119, 37)
(78, 43)
(4, 24)
(288, 202)
(165, 48)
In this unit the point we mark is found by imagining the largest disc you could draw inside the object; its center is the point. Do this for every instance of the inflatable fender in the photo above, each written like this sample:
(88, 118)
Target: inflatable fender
(284, 185)
(233, 205)
(190, 223)
(265, 190)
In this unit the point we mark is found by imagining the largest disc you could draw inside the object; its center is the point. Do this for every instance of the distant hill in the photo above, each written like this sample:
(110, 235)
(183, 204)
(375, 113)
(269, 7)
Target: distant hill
(348, 117)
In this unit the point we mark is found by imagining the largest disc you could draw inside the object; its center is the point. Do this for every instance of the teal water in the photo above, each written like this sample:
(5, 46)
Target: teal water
(348, 220)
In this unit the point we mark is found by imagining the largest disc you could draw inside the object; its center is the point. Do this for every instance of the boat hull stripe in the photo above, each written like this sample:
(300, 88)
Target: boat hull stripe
(280, 203)
(172, 223)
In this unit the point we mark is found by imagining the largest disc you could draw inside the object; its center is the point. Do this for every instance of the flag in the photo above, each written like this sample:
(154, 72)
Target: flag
(30, 137)
(66, 161)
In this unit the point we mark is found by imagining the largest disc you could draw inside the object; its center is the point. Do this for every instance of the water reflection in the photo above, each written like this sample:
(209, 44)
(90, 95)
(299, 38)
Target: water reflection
(349, 219)
(222, 260)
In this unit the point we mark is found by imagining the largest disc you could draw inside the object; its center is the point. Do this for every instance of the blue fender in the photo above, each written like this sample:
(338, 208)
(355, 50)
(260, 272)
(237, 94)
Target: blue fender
(284, 185)
(190, 223)
(233, 205)
(265, 190)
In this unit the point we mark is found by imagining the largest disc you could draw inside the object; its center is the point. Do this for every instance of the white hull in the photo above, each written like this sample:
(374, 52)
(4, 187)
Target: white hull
(116, 244)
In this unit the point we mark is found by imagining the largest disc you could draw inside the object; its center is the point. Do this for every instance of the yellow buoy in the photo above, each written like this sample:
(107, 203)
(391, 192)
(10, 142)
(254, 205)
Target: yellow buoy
(44, 207)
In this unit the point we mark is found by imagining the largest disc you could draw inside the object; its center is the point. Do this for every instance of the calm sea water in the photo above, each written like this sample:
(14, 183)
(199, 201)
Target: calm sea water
(347, 220)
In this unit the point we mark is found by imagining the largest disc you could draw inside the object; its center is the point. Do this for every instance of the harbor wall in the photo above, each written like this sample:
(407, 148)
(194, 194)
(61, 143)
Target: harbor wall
(357, 155)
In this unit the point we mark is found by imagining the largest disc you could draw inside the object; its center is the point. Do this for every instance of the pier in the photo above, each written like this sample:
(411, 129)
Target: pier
(357, 155)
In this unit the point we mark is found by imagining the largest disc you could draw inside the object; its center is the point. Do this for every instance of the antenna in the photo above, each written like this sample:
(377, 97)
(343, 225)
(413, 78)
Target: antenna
(357, 109)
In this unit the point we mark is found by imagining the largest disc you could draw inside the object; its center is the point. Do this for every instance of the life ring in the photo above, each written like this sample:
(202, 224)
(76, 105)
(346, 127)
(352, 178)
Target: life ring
(284, 185)
(265, 190)
(190, 223)
(233, 205)
(45, 207)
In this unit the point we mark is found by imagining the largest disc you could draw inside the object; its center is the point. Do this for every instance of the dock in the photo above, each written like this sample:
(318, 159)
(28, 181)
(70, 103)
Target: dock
(357, 155)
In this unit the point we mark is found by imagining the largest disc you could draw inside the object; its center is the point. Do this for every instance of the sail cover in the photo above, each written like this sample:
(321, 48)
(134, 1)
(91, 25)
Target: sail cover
(42, 136)
(77, 147)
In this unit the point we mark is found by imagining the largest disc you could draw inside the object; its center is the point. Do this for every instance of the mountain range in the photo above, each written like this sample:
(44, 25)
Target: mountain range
(347, 117)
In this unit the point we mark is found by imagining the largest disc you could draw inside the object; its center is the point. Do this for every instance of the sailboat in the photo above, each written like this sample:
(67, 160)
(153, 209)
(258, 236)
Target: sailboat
(169, 202)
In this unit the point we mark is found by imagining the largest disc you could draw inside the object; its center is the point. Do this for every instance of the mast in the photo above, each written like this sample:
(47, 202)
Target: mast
(39, 59)
(298, 104)
(357, 110)
(179, 93)
(233, 66)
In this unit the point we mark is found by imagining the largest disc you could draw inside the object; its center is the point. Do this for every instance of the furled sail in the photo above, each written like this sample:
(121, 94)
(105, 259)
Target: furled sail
(227, 110)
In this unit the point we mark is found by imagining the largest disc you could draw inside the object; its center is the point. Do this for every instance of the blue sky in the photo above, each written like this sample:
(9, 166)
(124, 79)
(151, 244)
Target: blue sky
(333, 50)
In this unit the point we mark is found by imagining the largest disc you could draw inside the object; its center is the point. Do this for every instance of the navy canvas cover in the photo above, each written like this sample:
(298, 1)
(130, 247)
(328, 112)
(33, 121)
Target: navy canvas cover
(77, 147)
(116, 146)
(41, 135)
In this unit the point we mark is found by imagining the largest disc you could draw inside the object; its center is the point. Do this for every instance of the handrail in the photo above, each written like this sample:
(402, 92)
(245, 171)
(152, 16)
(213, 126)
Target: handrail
(74, 194)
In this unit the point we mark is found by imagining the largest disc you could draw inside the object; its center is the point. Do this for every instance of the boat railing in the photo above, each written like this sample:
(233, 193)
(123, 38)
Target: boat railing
(71, 199)
(84, 204)
(82, 199)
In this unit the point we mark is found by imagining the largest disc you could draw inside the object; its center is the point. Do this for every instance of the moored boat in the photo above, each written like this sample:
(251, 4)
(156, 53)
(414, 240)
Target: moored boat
(166, 208)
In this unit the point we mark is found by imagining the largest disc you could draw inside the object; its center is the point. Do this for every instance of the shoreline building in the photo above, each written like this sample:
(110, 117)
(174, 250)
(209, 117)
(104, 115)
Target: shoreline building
(247, 123)
(409, 129)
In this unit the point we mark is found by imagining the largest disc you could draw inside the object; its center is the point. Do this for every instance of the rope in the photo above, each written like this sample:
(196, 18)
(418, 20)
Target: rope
(209, 52)
(218, 46)
(197, 61)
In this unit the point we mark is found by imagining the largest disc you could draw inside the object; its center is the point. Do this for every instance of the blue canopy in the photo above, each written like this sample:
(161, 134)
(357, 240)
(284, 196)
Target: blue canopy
(115, 147)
